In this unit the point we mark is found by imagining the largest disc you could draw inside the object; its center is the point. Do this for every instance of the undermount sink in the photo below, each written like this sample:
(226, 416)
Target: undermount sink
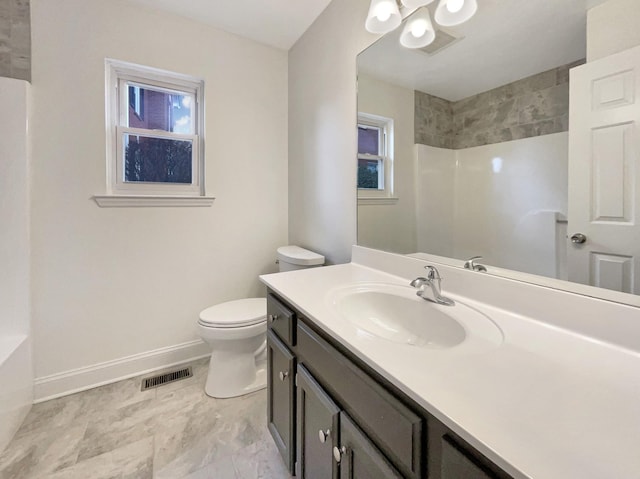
(394, 312)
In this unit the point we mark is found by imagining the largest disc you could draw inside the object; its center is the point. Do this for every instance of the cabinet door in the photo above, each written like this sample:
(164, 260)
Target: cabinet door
(456, 463)
(358, 457)
(317, 428)
(281, 398)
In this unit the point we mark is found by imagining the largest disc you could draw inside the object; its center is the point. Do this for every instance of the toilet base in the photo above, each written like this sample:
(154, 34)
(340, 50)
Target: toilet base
(216, 389)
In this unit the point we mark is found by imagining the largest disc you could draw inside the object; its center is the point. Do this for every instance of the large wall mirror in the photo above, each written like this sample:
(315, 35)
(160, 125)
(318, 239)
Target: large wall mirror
(468, 147)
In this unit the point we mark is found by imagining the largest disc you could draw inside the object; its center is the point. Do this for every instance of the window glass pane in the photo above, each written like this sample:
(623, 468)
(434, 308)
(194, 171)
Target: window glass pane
(159, 110)
(157, 160)
(368, 174)
(368, 140)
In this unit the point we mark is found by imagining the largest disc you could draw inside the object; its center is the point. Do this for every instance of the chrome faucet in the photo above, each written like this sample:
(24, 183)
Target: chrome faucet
(433, 292)
(470, 264)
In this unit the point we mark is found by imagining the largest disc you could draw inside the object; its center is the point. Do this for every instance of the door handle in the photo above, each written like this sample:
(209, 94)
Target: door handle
(283, 375)
(578, 238)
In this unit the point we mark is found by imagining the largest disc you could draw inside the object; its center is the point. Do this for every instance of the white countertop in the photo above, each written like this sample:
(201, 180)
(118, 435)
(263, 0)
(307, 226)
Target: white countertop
(547, 403)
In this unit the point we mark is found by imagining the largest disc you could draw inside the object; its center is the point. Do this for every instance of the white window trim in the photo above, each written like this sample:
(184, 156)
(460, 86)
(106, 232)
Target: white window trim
(119, 193)
(386, 196)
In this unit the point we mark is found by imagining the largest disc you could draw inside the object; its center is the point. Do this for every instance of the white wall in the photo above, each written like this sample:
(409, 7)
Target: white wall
(115, 287)
(504, 200)
(14, 210)
(396, 220)
(612, 27)
(322, 130)
(16, 366)
(435, 189)
(522, 184)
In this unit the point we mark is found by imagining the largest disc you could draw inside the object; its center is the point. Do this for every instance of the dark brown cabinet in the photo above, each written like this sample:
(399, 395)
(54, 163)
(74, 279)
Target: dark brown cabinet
(457, 463)
(317, 430)
(333, 417)
(358, 456)
(281, 398)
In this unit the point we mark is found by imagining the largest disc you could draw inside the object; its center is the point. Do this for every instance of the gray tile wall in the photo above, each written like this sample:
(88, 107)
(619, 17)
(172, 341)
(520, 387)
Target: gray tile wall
(534, 106)
(15, 39)
(433, 121)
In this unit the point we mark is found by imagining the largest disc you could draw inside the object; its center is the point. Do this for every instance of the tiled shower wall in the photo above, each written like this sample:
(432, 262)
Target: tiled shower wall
(15, 39)
(534, 106)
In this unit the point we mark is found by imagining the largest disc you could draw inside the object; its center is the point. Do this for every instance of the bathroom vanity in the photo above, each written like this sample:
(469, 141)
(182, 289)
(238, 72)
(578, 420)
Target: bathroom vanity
(516, 397)
(333, 416)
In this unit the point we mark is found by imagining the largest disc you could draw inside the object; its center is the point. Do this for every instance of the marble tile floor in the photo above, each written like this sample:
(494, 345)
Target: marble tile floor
(172, 432)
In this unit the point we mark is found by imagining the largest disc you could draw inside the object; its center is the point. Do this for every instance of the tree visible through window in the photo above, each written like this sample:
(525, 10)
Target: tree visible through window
(153, 159)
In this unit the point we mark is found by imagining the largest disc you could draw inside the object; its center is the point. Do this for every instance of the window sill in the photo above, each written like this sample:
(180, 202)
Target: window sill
(118, 201)
(377, 200)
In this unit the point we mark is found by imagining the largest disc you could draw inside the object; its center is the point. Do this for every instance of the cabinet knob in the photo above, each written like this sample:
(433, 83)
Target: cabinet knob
(272, 317)
(338, 452)
(323, 435)
(283, 375)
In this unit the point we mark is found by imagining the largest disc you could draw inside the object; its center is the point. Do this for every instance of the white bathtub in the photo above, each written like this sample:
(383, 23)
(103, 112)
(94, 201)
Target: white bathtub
(16, 366)
(16, 384)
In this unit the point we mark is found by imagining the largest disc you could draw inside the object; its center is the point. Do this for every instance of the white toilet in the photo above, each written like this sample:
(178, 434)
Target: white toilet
(237, 330)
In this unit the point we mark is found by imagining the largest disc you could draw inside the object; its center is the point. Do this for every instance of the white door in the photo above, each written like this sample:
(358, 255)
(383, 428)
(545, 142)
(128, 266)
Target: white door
(604, 173)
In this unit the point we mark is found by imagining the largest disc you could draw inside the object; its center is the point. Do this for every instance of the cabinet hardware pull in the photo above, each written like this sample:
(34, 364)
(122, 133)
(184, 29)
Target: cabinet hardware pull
(272, 317)
(323, 435)
(284, 375)
(338, 452)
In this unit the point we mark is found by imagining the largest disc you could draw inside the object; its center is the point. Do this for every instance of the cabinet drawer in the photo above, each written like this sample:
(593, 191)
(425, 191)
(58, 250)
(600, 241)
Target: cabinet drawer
(281, 320)
(393, 427)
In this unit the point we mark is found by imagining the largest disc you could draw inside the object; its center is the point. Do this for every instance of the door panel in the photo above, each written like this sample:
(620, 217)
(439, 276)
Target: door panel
(604, 167)
(456, 464)
(360, 459)
(317, 429)
(281, 398)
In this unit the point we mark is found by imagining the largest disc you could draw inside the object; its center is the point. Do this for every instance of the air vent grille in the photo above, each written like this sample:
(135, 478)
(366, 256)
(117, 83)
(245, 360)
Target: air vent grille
(442, 41)
(166, 378)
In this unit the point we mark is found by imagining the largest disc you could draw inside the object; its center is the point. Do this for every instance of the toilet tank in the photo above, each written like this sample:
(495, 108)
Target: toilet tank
(293, 257)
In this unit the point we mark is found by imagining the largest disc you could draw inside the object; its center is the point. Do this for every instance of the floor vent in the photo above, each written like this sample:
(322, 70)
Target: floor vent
(166, 378)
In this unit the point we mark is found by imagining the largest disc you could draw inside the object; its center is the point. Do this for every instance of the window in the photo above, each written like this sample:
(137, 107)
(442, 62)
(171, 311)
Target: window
(155, 122)
(375, 156)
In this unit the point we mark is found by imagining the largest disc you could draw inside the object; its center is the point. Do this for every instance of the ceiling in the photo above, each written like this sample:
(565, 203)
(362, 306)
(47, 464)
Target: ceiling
(278, 23)
(507, 40)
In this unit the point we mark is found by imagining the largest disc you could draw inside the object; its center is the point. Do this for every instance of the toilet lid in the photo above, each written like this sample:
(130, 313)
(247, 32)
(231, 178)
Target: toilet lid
(233, 314)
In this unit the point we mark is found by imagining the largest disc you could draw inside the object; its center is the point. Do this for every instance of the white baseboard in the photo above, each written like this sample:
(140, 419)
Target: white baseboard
(69, 382)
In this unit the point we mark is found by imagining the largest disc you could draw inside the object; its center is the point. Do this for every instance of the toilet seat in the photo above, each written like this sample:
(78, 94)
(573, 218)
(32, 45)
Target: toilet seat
(235, 314)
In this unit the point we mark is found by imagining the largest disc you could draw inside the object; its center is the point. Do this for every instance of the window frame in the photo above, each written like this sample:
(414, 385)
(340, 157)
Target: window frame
(118, 74)
(386, 173)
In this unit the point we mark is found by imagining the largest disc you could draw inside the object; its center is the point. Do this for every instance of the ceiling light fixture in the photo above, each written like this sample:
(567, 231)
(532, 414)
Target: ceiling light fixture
(454, 12)
(418, 31)
(384, 16)
(416, 3)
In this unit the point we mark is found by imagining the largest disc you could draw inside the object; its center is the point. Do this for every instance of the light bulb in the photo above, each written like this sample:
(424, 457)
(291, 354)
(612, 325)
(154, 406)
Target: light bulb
(455, 6)
(383, 16)
(384, 11)
(419, 28)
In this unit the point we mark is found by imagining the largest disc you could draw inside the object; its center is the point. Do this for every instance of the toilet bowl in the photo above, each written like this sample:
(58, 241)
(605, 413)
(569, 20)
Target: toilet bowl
(236, 332)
